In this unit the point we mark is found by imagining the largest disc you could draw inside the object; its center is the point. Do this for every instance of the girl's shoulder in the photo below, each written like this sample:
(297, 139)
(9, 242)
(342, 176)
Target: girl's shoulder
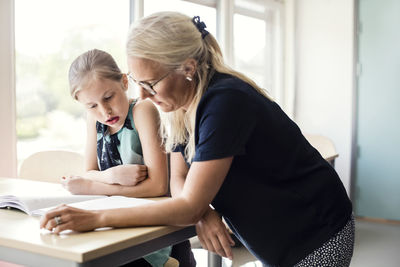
(143, 105)
(144, 110)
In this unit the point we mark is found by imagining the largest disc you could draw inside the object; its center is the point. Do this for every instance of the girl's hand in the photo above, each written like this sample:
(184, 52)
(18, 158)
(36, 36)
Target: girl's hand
(70, 218)
(77, 185)
(213, 234)
(128, 174)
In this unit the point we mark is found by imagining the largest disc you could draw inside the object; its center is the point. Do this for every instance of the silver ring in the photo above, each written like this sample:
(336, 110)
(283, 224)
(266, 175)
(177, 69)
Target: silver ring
(58, 220)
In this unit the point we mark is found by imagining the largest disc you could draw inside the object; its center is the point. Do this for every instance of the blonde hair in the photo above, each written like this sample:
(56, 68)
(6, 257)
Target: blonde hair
(170, 38)
(91, 65)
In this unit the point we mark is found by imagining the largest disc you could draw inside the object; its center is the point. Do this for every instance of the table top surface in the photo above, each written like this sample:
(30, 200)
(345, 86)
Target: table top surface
(21, 231)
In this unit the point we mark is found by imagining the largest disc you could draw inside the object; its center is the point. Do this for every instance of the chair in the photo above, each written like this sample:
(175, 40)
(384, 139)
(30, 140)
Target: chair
(50, 166)
(324, 145)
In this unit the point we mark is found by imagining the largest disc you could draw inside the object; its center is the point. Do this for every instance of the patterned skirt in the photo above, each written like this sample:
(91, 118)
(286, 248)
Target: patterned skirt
(336, 252)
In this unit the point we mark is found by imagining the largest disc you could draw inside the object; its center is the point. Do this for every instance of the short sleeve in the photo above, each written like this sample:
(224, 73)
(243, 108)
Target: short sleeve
(225, 120)
(179, 148)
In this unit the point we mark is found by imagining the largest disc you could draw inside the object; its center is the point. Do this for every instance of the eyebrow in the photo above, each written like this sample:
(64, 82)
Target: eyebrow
(108, 90)
(146, 80)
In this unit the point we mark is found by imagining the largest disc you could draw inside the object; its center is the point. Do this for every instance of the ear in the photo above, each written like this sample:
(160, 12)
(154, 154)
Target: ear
(189, 67)
(124, 81)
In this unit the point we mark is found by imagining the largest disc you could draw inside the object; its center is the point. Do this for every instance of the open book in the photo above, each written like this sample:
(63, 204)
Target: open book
(38, 205)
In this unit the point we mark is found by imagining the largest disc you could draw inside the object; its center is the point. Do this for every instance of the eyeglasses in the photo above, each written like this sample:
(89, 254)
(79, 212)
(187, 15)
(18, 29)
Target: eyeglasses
(149, 87)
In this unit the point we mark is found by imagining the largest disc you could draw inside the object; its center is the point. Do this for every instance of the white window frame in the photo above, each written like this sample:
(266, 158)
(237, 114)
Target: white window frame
(8, 136)
(274, 19)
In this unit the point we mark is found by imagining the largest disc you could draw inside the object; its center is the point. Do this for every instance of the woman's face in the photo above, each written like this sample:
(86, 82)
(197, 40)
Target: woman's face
(106, 101)
(173, 91)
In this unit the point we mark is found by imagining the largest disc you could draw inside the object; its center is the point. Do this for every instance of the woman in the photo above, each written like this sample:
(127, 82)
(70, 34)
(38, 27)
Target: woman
(234, 148)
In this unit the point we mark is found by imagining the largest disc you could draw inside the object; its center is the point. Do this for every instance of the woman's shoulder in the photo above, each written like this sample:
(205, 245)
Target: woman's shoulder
(221, 81)
(226, 88)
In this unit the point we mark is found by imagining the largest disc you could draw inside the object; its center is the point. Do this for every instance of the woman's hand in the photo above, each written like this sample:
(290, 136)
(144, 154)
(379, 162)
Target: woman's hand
(77, 185)
(213, 234)
(128, 174)
(70, 218)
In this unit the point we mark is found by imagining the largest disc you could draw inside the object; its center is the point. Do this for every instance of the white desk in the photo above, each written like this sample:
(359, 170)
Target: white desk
(22, 242)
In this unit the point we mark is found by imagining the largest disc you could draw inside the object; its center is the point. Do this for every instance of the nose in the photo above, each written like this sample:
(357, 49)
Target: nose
(143, 94)
(106, 110)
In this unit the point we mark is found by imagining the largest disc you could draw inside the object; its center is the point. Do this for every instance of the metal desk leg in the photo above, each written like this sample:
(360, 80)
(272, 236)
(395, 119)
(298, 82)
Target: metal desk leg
(214, 260)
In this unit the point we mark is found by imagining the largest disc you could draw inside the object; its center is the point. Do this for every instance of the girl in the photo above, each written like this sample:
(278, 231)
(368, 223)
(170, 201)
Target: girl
(121, 133)
(122, 136)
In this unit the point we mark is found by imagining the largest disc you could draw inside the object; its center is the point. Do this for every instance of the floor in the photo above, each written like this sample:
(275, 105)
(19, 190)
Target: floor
(376, 244)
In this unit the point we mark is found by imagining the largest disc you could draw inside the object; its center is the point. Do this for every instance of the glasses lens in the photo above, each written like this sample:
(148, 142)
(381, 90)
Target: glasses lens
(148, 88)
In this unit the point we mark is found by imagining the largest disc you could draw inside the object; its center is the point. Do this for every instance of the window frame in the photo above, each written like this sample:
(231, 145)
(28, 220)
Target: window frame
(8, 140)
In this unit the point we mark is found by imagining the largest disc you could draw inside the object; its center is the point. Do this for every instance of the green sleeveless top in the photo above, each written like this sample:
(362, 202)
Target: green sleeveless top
(123, 147)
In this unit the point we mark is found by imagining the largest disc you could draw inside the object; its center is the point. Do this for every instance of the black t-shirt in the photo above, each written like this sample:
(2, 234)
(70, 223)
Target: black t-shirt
(280, 197)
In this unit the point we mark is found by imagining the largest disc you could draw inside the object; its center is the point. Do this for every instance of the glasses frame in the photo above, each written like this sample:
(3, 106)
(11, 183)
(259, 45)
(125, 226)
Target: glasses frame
(149, 87)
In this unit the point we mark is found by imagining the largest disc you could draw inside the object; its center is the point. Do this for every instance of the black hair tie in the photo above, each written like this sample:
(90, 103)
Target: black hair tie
(200, 25)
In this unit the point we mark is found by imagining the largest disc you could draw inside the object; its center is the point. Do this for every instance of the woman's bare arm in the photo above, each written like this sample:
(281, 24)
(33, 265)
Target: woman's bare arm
(202, 184)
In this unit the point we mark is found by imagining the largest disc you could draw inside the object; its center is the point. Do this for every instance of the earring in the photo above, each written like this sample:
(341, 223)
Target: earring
(189, 78)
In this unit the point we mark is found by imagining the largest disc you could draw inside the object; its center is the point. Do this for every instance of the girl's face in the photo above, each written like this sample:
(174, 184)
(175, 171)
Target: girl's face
(173, 91)
(106, 101)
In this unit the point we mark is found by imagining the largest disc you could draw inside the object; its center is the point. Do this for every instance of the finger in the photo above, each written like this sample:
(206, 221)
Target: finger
(225, 241)
(202, 242)
(61, 227)
(143, 170)
(43, 221)
(50, 225)
(48, 216)
(54, 222)
(229, 237)
(207, 245)
(143, 167)
(205, 242)
(217, 246)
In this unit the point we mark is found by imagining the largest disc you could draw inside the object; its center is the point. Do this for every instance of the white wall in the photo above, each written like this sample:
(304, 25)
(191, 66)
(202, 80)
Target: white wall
(324, 74)
(8, 165)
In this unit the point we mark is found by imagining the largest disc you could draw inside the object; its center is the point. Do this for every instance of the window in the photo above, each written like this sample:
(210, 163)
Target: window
(206, 13)
(257, 43)
(49, 35)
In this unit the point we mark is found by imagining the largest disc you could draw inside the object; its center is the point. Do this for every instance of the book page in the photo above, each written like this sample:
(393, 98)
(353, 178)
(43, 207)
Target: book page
(31, 203)
(113, 202)
(28, 197)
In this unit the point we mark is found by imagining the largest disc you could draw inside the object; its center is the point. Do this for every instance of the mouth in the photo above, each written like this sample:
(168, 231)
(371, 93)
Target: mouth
(113, 120)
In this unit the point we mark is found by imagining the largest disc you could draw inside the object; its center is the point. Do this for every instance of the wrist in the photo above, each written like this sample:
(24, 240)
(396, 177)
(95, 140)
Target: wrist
(110, 176)
(101, 220)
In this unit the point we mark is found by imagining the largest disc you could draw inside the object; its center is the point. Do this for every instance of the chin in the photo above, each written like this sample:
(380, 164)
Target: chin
(166, 108)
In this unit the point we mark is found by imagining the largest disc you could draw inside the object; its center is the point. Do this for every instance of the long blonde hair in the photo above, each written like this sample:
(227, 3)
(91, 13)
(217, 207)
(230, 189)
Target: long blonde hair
(170, 38)
(90, 65)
